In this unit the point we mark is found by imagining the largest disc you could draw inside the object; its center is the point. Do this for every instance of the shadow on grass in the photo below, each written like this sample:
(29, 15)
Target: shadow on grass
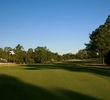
(12, 88)
(73, 66)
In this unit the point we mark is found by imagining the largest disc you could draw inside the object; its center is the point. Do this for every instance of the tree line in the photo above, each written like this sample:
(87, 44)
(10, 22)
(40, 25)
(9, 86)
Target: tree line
(37, 55)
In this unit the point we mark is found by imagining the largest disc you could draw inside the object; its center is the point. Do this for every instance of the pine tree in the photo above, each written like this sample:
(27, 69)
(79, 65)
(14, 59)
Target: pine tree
(100, 40)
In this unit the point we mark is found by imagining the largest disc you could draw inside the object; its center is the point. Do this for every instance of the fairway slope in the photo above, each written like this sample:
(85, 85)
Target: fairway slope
(65, 81)
(14, 89)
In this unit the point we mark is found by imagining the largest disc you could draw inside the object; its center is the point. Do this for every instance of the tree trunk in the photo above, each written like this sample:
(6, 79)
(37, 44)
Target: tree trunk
(103, 61)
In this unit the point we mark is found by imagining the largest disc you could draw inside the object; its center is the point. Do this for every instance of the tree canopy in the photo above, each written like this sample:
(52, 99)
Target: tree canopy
(37, 55)
(99, 43)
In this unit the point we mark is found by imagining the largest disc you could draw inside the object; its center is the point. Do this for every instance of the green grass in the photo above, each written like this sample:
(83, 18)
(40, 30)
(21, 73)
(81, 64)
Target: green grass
(65, 81)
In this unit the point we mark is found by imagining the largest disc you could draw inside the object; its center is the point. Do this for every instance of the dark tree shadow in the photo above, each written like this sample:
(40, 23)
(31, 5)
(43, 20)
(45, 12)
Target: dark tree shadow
(70, 95)
(12, 88)
(73, 66)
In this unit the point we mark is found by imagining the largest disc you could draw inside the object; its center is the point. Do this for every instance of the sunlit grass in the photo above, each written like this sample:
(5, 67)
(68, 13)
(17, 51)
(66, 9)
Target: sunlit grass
(67, 81)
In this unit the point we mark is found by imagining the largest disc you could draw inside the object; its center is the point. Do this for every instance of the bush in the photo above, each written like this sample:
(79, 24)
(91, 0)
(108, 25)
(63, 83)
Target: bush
(107, 58)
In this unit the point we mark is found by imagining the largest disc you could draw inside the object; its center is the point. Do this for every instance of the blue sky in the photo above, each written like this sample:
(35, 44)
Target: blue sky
(61, 25)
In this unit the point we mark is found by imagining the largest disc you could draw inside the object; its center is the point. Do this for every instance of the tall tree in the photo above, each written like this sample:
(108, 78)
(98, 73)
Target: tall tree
(30, 50)
(100, 40)
(30, 56)
(20, 54)
(41, 54)
(1, 53)
(19, 47)
(6, 53)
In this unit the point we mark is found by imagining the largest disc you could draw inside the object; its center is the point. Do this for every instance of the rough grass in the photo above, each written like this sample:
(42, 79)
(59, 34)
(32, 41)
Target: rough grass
(65, 81)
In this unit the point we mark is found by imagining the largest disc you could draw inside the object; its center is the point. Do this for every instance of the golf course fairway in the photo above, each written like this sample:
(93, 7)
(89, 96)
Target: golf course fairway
(54, 82)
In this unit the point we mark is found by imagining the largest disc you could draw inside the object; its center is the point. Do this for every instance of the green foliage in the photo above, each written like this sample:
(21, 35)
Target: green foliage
(7, 49)
(44, 55)
(38, 55)
(1, 53)
(30, 56)
(82, 54)
(100, 40)
(41, 54)
(20, 55)
(19, 47)
(68, 56)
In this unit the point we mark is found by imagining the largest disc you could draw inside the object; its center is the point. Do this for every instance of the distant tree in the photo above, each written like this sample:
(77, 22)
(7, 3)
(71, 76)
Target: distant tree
(53, 57)
(30, 50)
(57, 57)
(6, 53)
(44, 55)
(68, 56)
(20, 54)
(7, 49)
(1, 53)
(19, 47)
(38, 55)
(82, 54)
(41, 54)
(30, 56)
